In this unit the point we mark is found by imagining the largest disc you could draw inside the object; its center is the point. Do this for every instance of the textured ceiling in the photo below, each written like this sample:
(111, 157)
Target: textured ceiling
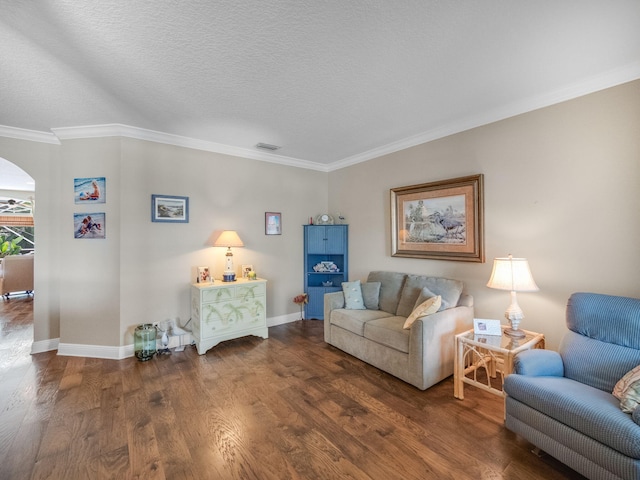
(332, 82)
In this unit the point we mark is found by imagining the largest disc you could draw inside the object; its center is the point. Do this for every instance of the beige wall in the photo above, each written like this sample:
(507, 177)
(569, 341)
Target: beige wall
(562, 188)
(94, 292)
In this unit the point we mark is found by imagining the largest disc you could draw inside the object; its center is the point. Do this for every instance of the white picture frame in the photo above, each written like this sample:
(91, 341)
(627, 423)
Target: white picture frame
(245, 270)
(204, 275)
(485, 326)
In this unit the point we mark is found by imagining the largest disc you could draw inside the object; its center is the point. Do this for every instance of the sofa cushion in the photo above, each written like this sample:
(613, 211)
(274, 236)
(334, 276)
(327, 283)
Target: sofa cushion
(388, 331)
(589, 410)
(428, 307)
(390, 288)
(354, 320)
(636, 416)
(353, 295)
(449, 290)
(371, 295)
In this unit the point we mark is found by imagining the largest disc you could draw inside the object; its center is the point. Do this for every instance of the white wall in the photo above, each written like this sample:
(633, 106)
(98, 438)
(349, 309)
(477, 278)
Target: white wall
(562, 188)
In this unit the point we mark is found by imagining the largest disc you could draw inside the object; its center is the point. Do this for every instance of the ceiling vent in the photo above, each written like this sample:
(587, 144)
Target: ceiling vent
(267, 146)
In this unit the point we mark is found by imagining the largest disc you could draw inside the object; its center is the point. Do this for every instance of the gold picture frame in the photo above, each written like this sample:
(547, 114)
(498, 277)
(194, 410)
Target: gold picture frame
(441, 220)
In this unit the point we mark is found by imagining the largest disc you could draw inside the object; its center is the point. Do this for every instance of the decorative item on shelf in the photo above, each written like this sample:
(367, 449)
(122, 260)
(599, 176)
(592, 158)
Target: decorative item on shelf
(341, 219)
(252, 275)
(324, 267)
(144, 341)
(324, 219)
(327, 284)
(228, 238)
(512, 274)
(301, 300)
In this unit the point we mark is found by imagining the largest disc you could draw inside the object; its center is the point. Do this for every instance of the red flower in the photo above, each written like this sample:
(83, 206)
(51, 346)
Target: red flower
(300, 299)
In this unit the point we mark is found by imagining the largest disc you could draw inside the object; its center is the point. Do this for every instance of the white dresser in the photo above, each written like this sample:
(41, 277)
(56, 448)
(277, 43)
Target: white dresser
(224, 310)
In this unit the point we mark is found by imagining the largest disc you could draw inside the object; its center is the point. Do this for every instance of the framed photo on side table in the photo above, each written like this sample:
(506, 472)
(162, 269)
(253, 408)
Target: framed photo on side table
(483, 326)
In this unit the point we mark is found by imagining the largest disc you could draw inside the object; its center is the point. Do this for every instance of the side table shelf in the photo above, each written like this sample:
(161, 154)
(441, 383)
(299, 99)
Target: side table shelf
(226, 310)
(488, 356)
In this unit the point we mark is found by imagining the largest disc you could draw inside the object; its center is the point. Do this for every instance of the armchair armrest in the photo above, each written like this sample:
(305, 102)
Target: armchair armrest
(539, 363)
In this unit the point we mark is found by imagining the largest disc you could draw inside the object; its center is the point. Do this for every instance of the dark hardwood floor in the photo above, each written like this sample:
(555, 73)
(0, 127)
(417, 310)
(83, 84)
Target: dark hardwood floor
(290, 407)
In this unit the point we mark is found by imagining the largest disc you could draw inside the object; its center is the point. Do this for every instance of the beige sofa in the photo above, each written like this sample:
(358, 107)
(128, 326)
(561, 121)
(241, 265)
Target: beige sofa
(422, 355)
(16, 274)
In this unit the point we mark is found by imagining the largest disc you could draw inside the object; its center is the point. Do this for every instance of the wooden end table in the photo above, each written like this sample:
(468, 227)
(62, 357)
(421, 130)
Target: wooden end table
(492, 353)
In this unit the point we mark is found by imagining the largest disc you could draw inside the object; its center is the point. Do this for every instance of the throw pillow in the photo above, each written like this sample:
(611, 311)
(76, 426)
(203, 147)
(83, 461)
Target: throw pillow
(353, 295)
(624, 383)
(426, 294)
(425, 308)
(631, 398)
(371, 295)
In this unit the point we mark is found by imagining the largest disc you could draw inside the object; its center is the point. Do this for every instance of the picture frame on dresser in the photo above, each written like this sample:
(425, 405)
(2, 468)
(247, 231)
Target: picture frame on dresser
(442, 220)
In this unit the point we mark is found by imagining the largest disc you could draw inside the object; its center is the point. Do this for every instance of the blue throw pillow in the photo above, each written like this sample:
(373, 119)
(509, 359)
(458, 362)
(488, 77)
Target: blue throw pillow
(353, 295)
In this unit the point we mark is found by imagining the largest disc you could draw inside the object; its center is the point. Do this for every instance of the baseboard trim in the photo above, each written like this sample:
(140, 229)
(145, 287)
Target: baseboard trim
(282, 319)
(45, 345)
(92, 351)
(125, 351)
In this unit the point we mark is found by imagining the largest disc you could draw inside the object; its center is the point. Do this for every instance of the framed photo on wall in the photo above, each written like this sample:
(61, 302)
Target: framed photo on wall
(90, 190)
(169, 208)
(272, 223)
(440, 220)
(89, 225)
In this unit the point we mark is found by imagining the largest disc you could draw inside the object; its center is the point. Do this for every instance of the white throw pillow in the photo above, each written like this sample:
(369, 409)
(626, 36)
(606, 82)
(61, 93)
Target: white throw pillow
(625, 382)
(427, 307)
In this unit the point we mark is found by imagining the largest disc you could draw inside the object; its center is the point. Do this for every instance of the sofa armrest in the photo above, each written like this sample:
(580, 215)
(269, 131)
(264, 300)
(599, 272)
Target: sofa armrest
(332, 301)
(539, 363)
(432, 344)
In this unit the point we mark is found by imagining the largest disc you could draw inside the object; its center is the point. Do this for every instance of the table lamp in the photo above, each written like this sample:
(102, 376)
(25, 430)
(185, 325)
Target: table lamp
(228, 238)
(512, 274)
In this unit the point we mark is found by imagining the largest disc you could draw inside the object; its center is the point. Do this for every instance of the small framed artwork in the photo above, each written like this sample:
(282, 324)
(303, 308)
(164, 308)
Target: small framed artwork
(89, 190)
(272, 223)
(246, 269)
(204, 275)
(169, 208)
(483, 326)
(89, 225)
(440, 220)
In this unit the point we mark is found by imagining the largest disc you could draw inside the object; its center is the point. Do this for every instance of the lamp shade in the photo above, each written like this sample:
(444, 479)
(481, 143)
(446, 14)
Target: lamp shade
(512, 274)
(228, 238)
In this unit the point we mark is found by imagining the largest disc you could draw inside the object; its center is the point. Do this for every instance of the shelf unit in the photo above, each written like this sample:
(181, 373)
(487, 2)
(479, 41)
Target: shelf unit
(324, 243)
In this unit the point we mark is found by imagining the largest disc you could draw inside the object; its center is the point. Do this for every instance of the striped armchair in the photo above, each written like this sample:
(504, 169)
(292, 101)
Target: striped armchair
(562, 401)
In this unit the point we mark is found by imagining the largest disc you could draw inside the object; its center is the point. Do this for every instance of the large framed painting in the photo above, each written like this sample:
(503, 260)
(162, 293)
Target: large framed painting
(440, 220)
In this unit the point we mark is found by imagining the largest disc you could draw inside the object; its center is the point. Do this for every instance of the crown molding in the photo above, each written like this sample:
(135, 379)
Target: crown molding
(593, 84)
(120, 130)
(30, 135)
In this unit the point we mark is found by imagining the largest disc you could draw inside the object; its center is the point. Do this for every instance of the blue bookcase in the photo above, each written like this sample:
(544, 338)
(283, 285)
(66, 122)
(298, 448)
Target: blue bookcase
(324, 243)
